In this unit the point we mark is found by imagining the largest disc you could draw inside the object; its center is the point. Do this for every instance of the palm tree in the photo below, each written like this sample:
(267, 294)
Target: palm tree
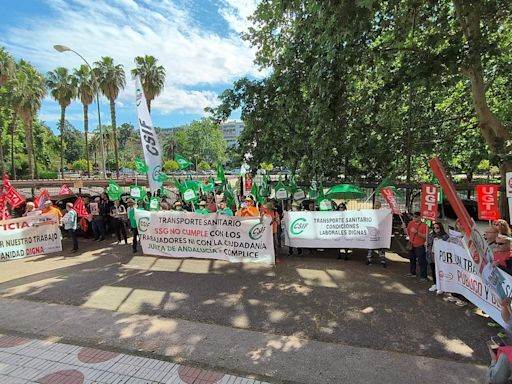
(85, 91)
(29, 89)
(152, 77)
(111, 80)
(63, 89)
(7, 72)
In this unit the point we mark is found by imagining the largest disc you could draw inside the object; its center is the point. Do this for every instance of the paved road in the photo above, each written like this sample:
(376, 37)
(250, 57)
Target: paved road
(314, 298)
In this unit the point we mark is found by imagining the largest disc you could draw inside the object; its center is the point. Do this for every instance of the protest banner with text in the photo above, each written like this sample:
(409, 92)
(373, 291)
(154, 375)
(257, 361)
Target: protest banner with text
(487, 198)
(210, 236)
(429, 195)
(457, 273)
(366, 228)
(29, 236)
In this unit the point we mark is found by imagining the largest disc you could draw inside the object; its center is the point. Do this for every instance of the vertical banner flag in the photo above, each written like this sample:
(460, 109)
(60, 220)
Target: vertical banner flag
(390, 198)
(11, 195)
(41, 198)
(429, 201)
(487, 198)
(149, 139)
(80, 208)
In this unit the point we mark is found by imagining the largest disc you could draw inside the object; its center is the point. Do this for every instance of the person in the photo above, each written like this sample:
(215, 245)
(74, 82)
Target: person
(417, 232)
(503, 227)
(381, 251)
(210, 203)
(70, 221)
(119, 215)
(202, 208)
(50, 209)
(98, 221)
(164, 206)
(146, 201)
(247, 208)
(295, 208)
(104, 208)
(490, 235)
(342, 207)
(311, 206)
(438, 233)
(269, 211)
(500, 368)
(30, 209)
(223, 209)
(132, 206)
(178, 207)
(502, 254)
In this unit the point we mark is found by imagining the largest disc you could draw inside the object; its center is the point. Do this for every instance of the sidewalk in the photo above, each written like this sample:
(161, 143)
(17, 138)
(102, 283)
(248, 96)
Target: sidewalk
(27, 361)
(244, 352)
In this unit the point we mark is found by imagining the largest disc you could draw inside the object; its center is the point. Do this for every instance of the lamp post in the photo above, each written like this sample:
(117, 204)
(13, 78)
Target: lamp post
(63, 48)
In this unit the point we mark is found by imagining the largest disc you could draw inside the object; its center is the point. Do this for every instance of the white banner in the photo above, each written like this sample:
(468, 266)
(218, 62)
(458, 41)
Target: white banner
(457, 273)
(149, 139)
(366, 228)
(210, 236)
(508, 177)
(29, 236)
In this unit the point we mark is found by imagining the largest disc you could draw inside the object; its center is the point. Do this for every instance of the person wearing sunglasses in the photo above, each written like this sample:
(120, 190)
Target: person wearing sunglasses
(490, 235)
(437, 233)
(502, 254)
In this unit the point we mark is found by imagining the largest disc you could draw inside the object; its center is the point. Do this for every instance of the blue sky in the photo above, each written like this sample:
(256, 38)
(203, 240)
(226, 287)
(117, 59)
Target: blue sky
(197, 41)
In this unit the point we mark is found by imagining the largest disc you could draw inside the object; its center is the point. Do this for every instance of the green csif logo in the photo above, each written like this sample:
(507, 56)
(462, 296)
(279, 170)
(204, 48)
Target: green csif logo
(256, 231)
(143, 224)
(298, 226)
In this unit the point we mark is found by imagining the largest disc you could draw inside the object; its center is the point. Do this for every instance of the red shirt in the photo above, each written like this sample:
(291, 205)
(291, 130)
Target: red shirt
(501, 258)
(415, 239)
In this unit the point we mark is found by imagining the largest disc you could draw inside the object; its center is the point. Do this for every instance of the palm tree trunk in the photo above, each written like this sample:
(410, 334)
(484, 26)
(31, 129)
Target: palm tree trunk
(148, 102)
(62, 117)
(114, 133)
(31, 133)
(30, 155)
(86, 133)
(13, 129)
(2, 167)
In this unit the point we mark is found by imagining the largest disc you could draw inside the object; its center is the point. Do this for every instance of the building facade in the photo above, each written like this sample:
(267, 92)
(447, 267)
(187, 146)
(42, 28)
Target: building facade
(231, 130)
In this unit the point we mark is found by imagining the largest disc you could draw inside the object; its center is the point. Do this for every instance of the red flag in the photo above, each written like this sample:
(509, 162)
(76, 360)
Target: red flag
(429, 201)
(11, 195)
(80, 208)
(487, 197)
(41, 198)
(390, 198)
(64, 190)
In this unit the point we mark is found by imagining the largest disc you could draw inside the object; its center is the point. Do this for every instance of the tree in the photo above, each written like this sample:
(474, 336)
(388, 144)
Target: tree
(201, 140)
(203, 166)
(81, 166)
(111, 79)
(152, 77)
(85, 92)
(28, 93)
(7, 72)
(171, 166)
(63, 88)
(75, 146)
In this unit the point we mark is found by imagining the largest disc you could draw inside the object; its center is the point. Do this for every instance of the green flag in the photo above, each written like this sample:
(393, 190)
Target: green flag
(280, 190)
(162, 177)
(229, 195)
(208, 185)
(313, 190)
(137, 192)
(293, 185)
(220, 172)
(386, 183)
(265, 188)
(182, 162)
(141, 166)
(163, 192)
(114, 190)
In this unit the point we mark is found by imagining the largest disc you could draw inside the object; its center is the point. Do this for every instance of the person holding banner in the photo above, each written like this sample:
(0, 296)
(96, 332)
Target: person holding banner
(132, 206)
(490, 235)
(295, 208)
(70, 221)
(223, 209)
(269, 211)
(381, 251)
(119, 215)
(49, 208)
(438, 233)
(417, 232)
(202, 208)
(30, 209)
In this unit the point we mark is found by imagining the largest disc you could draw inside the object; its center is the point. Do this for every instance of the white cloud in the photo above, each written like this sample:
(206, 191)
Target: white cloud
(124, 29)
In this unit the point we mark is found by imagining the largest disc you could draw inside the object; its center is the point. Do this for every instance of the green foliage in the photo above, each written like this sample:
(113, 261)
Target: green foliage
(48, 175)
(266, 166)
(171, 165)
(79, 165)
(203, 166)
(201, 140)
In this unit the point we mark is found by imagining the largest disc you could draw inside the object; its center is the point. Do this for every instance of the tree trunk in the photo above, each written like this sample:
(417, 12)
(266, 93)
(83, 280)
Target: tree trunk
(494, 132)
(13, 129)
(86, 134)
(62, 117)
(114, 134)
(30, 155)
(148, 102)
(2, 166)
(31, 133)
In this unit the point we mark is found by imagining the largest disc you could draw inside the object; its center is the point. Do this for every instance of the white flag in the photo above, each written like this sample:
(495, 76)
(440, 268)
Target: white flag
(149, 139)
